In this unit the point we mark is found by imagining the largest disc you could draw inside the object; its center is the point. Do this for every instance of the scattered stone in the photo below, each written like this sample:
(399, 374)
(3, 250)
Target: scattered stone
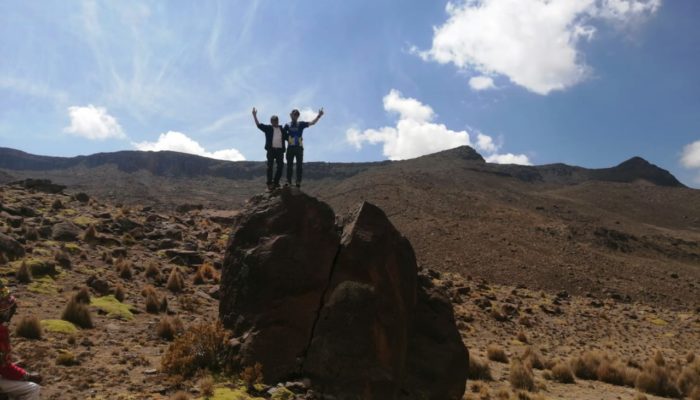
(99, 285)
(65, 231)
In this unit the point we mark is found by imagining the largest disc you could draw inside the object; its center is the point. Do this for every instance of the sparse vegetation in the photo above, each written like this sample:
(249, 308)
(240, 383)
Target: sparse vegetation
(180, 396)
(29, 327)
(206, 386)
(496, 353)
(119, 292)
(124, 268)
(533, 358)
(152, 303)
(78, 313)
(82, 295)
(168, 327)
(561, 372)
(153, 271)
(252, 375)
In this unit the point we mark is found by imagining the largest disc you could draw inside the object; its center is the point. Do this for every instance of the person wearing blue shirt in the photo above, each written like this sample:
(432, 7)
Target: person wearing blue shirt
(274, 145)
(295, 144)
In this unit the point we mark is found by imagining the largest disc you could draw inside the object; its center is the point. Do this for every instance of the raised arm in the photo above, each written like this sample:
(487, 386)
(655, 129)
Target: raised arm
(255, 116)
(320, 114)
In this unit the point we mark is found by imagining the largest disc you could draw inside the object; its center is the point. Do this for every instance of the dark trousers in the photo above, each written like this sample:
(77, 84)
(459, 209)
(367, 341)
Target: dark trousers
(292, 153)
(275, 155)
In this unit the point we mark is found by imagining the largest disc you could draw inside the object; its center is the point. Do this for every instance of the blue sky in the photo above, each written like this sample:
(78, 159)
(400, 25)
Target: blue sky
(585, 82)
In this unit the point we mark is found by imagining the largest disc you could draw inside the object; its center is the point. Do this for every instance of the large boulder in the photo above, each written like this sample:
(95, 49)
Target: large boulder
(65, 231)
(276, 268)
(341, 304)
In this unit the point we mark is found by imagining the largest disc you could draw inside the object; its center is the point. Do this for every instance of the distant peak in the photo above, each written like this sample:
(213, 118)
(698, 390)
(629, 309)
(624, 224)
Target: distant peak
(461, 152)
(636, 161)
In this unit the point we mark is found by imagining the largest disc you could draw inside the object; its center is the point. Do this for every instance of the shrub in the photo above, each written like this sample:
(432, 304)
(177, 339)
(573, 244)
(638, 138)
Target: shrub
(496, 353)
(202, 346)
(119, 292)
(148, 289)
(612, 372)
(77, 313)
(23, 274)
(82, 295)
(561, 372)
(168, 327)
(175, 281)
(479, 369)
(252, 375)
(659, 358)
(586, 365)
(206, 386)
(198, 278)
(521, 377)
(29, 327)
(689, 378)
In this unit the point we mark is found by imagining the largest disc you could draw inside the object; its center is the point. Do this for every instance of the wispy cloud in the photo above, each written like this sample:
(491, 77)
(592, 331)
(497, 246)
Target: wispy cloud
(33, 89)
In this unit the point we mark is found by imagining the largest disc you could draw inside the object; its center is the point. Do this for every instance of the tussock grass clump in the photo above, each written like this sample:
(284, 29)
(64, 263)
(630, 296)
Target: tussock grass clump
(586, 365)
(168, 327)
(180, 396)
(203, 346)
(153, 271)
(689, 378)
(522, 337)
(152, 303)
(77, 313)
(23, 273)
(124, 268)
(561, 372)
(496, 353)
(597, 365)
(252, 375)
(29, 327)
(479, 369)
(31, 234)
(690, 357)
(63, 259)
(533, 358)
(82, 295)
(175, 281)
(205, 273)
(148, 289)
(119, 292)
(656, 379)
(164, 304)
(521, 377)
(206, 386)
(90, 235)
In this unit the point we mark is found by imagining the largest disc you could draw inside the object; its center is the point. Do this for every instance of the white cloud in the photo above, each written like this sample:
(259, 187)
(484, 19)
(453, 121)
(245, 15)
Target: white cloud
(481, 83)
(415, 133)
(509, 158)
(93, 123)
(535, 43)
(691, 155)
(178, 141)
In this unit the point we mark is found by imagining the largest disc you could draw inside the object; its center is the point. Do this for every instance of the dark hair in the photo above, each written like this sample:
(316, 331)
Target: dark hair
(295, 111)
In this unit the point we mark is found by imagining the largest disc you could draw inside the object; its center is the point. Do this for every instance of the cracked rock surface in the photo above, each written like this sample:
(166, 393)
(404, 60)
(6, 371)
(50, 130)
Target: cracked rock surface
(342, 304)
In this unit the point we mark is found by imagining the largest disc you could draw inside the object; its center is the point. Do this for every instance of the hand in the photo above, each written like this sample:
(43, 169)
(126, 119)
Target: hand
(320, 112)
(33, 377)
(255, 112)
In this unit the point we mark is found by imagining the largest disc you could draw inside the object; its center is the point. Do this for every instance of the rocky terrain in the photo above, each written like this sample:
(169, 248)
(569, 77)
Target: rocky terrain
(549, 269)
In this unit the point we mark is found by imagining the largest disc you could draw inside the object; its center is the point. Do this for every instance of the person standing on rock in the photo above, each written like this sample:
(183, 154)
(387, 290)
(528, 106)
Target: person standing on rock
(295, 148)
(274, 145)
(15, 382)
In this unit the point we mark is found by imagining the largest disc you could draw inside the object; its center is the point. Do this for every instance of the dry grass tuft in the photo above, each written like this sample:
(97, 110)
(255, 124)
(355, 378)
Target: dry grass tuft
(29, 327)
(180, 396)
(168, 328)
(659, 358)
(124, 268)
(175, 281)
(202, 346)
(689, 378)
(496, 353)
(90, 235)
(119, 292)
(152, 303)
(77, 313)
(66, 358)
(561, 372)
(23, 274)
(533, 358)
(479, 369)
(586, 365)
(252, 375)
(63, 259)
(153, 271)
(206, 386)
(656, 379)
(82, 295)
(521, 377)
